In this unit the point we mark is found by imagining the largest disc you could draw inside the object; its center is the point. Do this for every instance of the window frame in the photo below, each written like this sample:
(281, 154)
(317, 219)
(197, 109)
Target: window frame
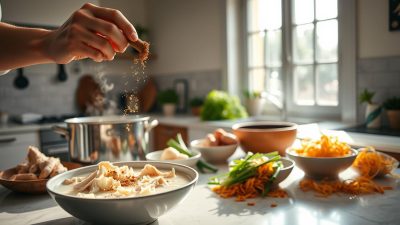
(346, 108)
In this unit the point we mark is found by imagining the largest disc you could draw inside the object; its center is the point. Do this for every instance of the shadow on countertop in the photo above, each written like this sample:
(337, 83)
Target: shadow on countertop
(74, 221)
(13, 202)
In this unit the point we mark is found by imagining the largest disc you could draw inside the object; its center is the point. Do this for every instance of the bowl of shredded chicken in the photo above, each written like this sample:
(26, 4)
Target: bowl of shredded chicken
(122, 193)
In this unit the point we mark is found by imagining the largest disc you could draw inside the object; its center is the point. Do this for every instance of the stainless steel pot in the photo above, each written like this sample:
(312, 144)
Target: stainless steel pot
(111, 138)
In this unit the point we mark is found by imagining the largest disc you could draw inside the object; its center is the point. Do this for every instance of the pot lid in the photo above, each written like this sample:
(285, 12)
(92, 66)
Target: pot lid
(115, 119)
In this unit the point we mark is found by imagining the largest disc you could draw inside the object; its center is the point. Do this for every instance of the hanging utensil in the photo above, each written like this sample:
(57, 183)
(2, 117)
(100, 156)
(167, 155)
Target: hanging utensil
(62, 75)
(21, 82)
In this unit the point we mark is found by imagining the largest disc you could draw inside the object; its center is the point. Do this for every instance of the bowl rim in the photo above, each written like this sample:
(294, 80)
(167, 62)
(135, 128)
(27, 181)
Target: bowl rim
(195, 143)
(190, 183)
(239, 126)
(293, 163)
(289, 151)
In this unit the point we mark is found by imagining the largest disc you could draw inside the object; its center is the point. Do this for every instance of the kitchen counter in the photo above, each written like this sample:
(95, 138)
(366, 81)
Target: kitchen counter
(204, 207)
(11, 128)
(307, 129)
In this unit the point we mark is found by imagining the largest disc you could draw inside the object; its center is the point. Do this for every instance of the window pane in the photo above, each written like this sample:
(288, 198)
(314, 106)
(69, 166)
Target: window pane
(327, 41)
(303, 11)
(274, 82)
(327, 84)
(303, 44)
(264, 14)
(257, 79)
(326, 9)
(256, 49)
(253, 15)
(273, 14)
(274, 48)
(303, 85)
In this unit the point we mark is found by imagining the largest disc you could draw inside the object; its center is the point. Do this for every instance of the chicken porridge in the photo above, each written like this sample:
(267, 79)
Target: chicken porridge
(110, 181)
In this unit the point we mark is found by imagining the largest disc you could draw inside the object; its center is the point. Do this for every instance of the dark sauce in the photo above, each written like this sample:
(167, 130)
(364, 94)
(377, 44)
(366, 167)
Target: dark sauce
(265, 127)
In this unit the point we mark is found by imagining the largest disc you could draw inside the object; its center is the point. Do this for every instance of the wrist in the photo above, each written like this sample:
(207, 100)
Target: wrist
(40, 46)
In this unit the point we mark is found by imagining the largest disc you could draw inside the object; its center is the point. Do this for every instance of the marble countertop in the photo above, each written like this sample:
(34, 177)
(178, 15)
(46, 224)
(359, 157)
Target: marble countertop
(202, 206)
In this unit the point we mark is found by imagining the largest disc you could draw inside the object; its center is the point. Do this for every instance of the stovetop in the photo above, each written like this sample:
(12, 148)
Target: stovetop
(57, 118)
(380, 131)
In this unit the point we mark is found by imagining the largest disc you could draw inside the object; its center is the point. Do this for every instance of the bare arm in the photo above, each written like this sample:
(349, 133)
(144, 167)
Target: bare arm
(91, 32)
(21, 46)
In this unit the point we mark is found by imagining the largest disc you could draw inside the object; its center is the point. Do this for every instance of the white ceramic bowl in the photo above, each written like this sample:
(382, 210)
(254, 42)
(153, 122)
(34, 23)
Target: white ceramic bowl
(130, 210)
(322, 167)
(288, 166)
(156, 156)
(213, 153)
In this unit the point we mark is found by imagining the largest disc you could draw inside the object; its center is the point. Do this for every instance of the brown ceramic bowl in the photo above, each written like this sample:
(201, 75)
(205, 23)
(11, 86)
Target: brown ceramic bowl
(28, 186)
(265, 136)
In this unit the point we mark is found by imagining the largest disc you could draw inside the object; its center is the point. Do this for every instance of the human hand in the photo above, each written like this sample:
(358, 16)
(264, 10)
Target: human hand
(91, 32)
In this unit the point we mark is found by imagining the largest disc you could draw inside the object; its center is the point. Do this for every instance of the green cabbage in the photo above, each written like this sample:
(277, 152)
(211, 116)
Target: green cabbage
(219, 105)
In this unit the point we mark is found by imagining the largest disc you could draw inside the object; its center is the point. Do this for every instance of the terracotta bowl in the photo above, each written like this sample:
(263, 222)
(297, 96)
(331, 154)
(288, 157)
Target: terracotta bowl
(28, 186)
(265, 136)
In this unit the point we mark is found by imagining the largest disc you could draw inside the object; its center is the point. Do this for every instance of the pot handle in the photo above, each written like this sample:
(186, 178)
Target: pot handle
(61, 130)
(151, 125)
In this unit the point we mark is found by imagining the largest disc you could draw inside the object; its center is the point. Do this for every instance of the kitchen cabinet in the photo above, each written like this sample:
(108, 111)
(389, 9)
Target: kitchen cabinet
(13, 147)
(162, 133)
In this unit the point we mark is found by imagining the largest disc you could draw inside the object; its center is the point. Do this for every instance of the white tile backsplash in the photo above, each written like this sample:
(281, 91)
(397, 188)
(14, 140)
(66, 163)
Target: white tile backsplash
(381, 75)
(48, 96)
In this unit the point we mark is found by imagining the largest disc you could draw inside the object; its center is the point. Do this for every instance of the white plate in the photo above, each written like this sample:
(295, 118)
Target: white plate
(156, 156)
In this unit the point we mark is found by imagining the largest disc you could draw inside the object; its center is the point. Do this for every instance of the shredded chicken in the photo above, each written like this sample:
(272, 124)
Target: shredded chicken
(119, 181)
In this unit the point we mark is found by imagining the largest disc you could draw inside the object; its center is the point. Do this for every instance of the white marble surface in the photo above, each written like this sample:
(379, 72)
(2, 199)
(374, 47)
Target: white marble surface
(204, 207)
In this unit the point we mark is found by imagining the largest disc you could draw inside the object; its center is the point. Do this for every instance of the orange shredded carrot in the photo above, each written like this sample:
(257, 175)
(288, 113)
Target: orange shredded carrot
(370, 163)
(358, 186)
(251, 187)
(324, 147)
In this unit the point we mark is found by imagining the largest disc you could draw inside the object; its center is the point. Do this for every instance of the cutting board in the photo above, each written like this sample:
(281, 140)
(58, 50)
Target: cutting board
(88, 93)
(147, 96)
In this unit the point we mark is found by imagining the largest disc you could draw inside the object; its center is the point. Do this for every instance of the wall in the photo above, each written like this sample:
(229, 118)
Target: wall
(43, 12)
(374, 38)
(186, 35)
(45, 95)
(378, 64)
(134, 10)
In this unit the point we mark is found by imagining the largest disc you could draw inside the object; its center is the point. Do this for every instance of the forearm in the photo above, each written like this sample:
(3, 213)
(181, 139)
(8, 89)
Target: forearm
(20, 47)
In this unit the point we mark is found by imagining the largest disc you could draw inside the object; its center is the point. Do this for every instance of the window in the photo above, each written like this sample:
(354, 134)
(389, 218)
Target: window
(293, 53)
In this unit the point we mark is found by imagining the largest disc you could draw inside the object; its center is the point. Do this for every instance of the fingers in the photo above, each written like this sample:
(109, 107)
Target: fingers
(106, 29)
(86, 51)
(95, 41)
(114, 16)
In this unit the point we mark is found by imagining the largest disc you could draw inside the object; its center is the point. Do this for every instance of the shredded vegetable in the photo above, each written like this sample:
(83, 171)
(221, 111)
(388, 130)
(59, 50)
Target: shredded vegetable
(250, 177)
(370, 163)
(358, 186)
(326, 146)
